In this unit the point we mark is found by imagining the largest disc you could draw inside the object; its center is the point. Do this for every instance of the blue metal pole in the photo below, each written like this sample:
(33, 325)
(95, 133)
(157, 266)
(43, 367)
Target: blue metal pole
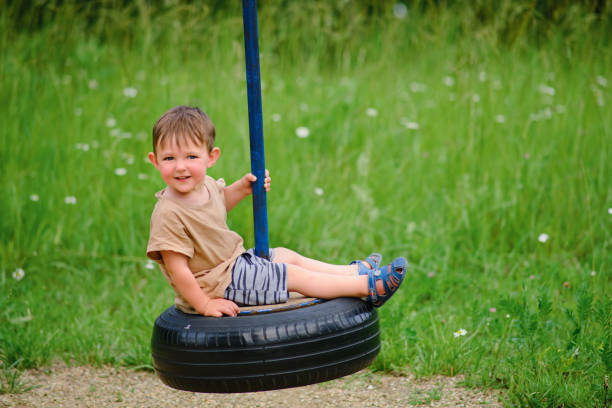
(251, 52)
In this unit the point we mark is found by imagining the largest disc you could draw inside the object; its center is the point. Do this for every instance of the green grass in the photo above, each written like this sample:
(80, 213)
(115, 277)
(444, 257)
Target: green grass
(469, 159)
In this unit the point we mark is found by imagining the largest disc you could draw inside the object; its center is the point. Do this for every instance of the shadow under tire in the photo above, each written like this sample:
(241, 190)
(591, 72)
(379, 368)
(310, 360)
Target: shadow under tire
(265, 351)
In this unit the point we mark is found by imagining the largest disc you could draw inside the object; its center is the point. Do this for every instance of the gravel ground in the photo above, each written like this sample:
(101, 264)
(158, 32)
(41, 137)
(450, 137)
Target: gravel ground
(62, 386)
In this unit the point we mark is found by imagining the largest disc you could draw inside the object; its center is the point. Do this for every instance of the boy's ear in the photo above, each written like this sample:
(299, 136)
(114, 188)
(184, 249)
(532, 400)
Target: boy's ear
(153, 159)
(213, 156)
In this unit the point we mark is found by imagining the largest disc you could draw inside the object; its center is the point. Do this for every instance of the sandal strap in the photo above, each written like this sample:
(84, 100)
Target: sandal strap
(391, 276)
(392, 279)
(373, 260)
(373, 296)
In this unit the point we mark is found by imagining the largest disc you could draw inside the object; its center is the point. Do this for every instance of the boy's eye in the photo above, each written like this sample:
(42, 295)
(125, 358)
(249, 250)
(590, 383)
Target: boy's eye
(192, 157)
(168, 158)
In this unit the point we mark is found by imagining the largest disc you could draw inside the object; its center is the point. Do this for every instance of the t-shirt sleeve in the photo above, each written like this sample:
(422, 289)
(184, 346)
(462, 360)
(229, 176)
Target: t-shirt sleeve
(168, 234)
(220, 183)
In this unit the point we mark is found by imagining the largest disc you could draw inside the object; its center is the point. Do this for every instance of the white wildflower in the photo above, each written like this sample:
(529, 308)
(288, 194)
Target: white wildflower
(304, 107)
(372, 112)
(150, 265)
(599, 96)
(276, 117)
(543, 114)
(543, 238)
(142, 176)
(460, 332)
(603, 82)
(93, 84)
(130, 92)
(546, 90)
(418, 87)
(409, 124)
(70, 200)
(120, 171)
(610, 211)
(400, 10)
(18, 274)
(482, 76)
(111, 122)
(318, 191)
(476, 98)
(34, 197)
(497, 85)
(593, 273)
(302, 132)
(448, 81)
(500, 118)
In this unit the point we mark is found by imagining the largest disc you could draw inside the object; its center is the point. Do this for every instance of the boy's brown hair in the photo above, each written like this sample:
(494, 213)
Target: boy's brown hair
(184, 123)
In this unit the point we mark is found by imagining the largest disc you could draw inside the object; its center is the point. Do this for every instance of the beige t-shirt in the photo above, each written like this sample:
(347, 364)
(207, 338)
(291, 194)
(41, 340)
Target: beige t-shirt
(199, 232)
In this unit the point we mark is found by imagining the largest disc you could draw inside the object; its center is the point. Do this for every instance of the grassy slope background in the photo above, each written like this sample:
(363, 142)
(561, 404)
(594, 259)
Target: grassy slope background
(455, 136)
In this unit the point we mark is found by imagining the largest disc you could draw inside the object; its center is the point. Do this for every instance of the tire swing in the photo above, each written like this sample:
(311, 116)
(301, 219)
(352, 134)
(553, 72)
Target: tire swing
(301, 342)
(262, 351)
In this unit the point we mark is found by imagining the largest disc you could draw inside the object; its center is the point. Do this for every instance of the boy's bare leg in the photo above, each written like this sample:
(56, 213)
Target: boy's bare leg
(326, 285)
(287, 256)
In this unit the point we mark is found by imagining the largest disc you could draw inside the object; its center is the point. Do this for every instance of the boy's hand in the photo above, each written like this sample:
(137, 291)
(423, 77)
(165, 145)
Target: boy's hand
(249, 178)
(242, 188)
(220, 307)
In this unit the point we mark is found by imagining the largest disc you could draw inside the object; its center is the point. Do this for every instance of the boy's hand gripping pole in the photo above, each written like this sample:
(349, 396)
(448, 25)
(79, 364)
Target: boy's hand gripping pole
(251, 52)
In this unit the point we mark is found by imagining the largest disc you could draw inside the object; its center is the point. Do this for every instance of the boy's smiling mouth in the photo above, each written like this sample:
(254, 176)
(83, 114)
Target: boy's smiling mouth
(182, 178)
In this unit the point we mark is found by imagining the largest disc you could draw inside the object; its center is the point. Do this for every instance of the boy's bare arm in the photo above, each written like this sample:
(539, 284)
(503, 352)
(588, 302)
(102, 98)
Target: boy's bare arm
(241, 188)
(186, 284)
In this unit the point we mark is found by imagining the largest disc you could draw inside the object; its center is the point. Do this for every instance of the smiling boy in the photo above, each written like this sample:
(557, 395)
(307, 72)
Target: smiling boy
(205, 262)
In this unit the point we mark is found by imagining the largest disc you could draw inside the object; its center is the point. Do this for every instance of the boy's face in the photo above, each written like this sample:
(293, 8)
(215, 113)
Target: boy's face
(183, 167)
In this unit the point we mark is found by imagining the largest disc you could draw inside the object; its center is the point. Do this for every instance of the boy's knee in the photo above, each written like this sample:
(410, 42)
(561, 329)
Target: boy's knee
(285, 255)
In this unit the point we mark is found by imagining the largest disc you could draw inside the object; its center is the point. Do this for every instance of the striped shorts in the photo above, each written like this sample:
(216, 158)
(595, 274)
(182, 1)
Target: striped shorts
(257, 281)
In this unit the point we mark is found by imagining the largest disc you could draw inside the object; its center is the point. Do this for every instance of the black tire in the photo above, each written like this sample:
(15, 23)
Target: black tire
(265, 351)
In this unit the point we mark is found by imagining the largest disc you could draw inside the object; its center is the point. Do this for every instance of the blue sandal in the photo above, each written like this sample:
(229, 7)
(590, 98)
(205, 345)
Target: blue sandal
(391, 275)
(373, 260)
